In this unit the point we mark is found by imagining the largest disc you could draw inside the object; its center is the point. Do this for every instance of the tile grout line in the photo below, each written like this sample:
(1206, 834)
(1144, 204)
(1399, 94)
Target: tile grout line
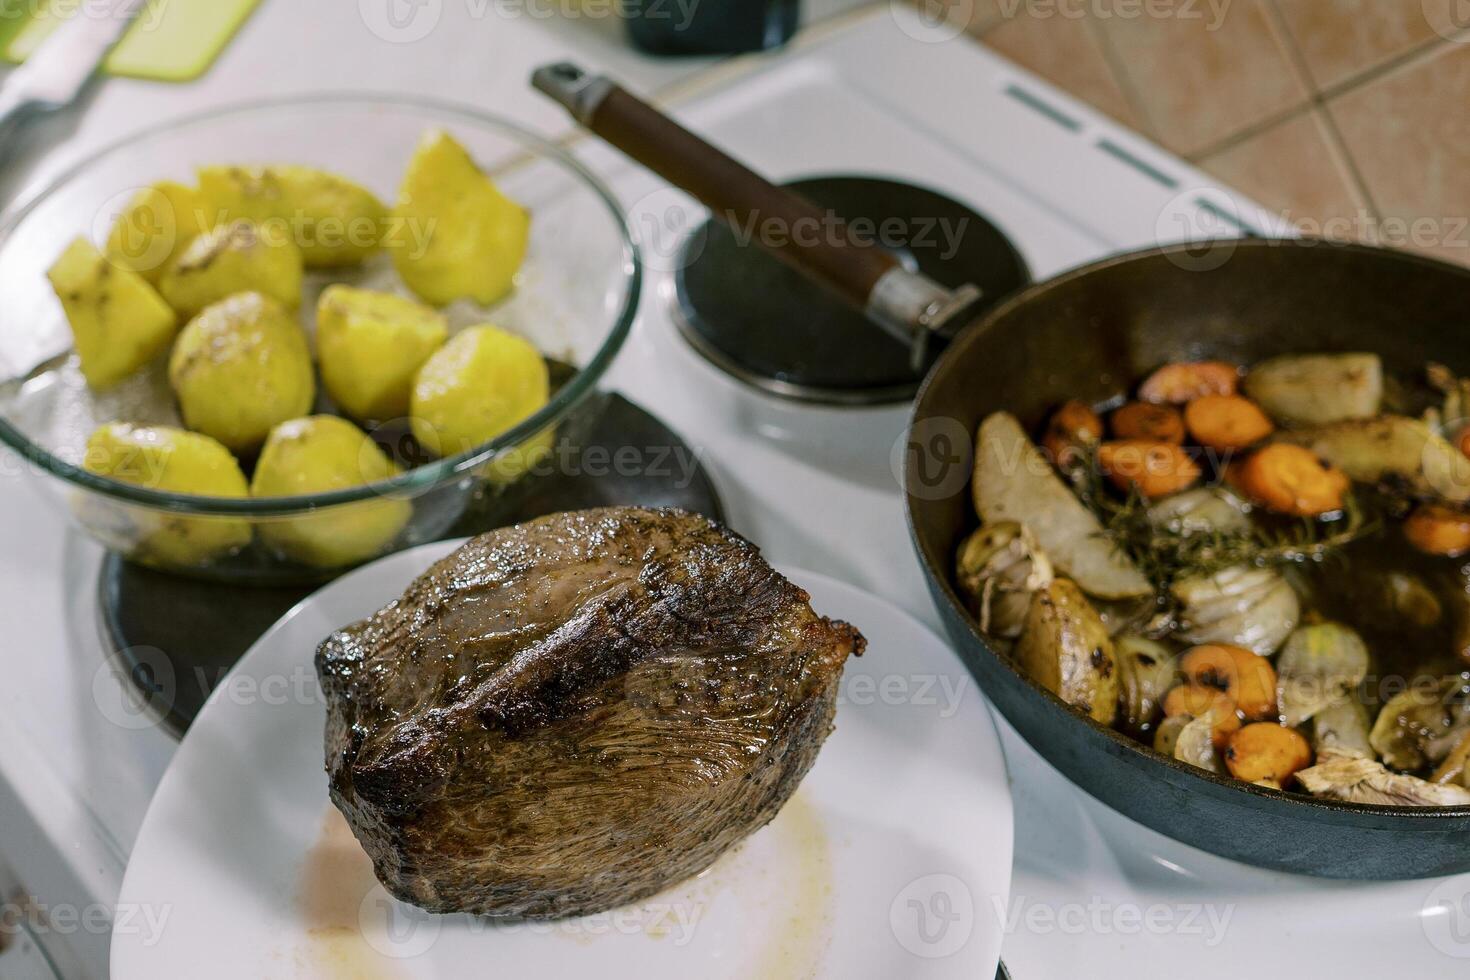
(1316, 104)
(1373, 73)
(1229, 139)
(1339, 148)
(1286, 42)
(1251, 131)
(1123, 80)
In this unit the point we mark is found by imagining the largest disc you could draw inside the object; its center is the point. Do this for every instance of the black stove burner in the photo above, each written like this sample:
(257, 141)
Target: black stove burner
(176, 638)
(763, 322)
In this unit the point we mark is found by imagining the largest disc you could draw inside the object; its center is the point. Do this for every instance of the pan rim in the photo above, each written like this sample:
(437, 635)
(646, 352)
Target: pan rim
(1215, 785)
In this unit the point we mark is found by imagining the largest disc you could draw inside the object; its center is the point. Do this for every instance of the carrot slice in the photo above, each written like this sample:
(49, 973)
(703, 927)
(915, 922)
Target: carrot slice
(1072, 426)
(1439, 530)
(1226, 422)
(1291, 480)
(1462, 440)
(1157, 469)
(1184, 381)
(1246, 678)
(1268, 751)
(1194, 701)
(1148, 422)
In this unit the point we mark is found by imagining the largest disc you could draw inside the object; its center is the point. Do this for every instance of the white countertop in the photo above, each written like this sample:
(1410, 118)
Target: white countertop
(61, 726)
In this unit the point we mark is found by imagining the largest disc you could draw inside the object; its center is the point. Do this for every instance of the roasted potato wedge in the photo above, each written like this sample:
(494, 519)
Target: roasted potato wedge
(1390, 447)
(1015, 482)
(1066, 649)
(1317, 389)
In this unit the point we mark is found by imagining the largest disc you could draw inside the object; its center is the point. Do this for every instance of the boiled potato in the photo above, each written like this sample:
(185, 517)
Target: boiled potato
(454, 235)
(334, 221)
(234, 258)
(173, 460)
(240, 368)
(118, 322)
(480, 384)
(320, 454)
(370, 346)
(1065, 647)
(155, 228)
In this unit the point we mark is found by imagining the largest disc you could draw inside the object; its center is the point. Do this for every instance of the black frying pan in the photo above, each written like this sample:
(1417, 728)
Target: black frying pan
(1088, 334)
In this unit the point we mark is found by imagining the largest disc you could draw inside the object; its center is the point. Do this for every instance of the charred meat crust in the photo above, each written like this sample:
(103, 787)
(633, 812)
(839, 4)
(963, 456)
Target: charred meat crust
(575, 713)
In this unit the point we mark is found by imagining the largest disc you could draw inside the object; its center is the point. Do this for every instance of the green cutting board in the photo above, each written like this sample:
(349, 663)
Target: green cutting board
(172, 41)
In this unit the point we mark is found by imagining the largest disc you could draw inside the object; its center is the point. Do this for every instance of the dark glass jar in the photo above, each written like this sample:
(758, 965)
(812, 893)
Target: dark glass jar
(691, 27)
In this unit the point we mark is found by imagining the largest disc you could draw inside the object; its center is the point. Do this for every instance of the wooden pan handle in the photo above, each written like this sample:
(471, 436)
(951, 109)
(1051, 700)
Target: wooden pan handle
(815, 242)
(784, 223)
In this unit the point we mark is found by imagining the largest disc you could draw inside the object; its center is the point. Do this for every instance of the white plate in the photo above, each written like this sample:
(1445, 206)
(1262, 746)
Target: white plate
(889, 861)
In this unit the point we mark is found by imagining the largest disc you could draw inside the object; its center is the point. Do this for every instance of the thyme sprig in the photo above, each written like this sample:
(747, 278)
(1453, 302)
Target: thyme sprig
(1168, 552)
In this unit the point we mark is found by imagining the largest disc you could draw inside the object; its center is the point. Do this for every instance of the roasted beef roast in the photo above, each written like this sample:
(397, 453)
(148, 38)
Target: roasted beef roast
(575, 713)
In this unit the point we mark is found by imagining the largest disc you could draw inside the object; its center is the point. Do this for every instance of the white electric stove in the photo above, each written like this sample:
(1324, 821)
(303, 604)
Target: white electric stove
(881, 93)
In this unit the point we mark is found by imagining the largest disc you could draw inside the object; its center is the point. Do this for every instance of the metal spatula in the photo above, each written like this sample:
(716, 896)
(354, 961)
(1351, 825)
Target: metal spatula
(56, 74)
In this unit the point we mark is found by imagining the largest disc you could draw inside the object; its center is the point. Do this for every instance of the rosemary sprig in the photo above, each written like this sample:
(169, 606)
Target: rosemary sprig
(1165, 554)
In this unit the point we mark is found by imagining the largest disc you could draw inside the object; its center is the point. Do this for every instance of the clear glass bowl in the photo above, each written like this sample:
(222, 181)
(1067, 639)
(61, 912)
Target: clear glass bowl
(575, 299)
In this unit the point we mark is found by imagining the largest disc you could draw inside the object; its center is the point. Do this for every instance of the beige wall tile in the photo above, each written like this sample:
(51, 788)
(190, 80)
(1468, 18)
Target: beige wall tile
(1295, 170)
(983, 12)
(1409, 134)
(1201, 80)
(976, 15)
(1067, 52)
(1340, 39)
